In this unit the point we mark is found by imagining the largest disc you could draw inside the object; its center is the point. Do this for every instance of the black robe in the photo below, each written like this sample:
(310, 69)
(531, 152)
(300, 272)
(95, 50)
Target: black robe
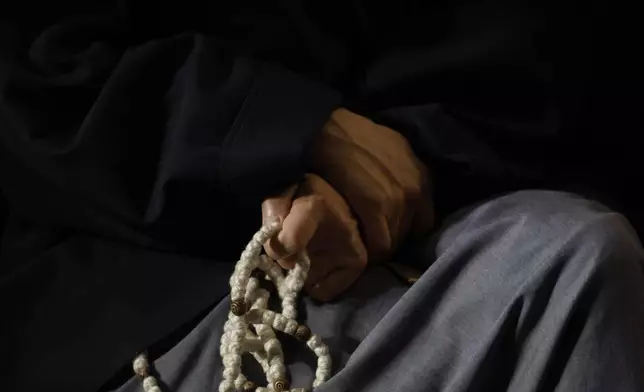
(136, 143)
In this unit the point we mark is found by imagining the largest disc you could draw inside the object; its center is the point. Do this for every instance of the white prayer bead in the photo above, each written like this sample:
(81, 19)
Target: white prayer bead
(148, 383)
(324, 361)
(276, 371)
(321, 350)
(140, 365)
(227, 386)
(313, 342)
(291, 326)
(280, 322)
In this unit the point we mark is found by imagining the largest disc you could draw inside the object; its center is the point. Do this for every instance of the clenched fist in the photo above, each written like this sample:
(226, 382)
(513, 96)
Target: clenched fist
(370, 192)
(375, 169)
(316, 218)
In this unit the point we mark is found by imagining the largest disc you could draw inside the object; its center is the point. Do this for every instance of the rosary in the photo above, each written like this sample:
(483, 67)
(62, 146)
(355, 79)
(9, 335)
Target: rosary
(251, 326)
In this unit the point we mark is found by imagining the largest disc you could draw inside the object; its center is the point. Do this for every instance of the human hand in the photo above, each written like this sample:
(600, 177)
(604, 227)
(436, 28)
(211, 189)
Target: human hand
(374, 168)
(316, 219)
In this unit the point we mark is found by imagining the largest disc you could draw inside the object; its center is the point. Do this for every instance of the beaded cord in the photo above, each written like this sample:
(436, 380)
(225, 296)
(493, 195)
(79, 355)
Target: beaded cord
(249, 306)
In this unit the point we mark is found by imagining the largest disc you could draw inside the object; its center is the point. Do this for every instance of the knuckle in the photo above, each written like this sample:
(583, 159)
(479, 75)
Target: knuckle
(315, 202)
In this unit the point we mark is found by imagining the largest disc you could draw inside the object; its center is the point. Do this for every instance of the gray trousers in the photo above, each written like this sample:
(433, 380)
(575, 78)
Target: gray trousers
(534, 291)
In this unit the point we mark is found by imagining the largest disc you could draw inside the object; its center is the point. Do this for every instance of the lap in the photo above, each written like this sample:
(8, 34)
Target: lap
(514, 289)
(194, 364)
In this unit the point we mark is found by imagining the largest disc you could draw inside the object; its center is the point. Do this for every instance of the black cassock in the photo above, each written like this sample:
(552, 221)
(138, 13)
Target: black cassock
(136, 142)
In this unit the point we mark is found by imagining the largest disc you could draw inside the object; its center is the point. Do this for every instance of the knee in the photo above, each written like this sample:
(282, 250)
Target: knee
(585, 255)
(568, 224)
(543, 221)
(535, 237)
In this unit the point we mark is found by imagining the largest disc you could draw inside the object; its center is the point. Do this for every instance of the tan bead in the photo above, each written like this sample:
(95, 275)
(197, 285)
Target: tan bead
(303, 332)
(238, 307)
(249, 386)
(280, 385)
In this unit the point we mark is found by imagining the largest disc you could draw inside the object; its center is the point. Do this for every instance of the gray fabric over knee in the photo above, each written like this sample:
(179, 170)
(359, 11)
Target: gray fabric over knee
(517, 283)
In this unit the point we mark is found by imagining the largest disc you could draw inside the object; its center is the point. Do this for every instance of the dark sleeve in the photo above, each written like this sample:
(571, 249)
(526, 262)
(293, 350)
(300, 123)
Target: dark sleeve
(128, 141)
(238, 130)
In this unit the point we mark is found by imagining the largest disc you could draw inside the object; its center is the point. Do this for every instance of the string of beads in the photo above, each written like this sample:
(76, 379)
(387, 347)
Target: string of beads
(251, 326)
